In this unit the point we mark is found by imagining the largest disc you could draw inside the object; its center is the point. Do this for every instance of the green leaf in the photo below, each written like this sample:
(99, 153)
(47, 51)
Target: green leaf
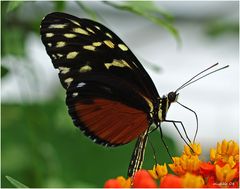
(59, 5)
(152, 66)
(93, 14)
(13, 41)
(13, 5)
(4, 71)
(16, 183)
(217, 28)
(148, 10)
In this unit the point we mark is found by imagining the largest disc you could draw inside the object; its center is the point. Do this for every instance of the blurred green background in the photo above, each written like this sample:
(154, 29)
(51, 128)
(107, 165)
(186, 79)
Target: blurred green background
(40, 147)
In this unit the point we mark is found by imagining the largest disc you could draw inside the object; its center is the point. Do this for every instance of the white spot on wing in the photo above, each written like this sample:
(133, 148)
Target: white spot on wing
(60, 44)
(64, 70)
(49, 34)
(81, 84)
(75, 22)
(68, 81)
(54, 56)
(109, 35)
(89, 47)
(90, 30)
(109, 43)
(72, 55)
(117, 63)
(97, 44)
(85, 68)
(59, 55)
(74, 94)
(81, 31)
(57, 26)
(122, 47)
(69, 35)
(97, 27)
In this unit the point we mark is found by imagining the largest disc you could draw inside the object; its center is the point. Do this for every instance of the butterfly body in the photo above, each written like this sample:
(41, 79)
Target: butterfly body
(110, 96)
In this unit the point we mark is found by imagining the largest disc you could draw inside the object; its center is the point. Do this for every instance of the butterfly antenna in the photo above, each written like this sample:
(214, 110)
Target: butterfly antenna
(190, 81)
(182, 86)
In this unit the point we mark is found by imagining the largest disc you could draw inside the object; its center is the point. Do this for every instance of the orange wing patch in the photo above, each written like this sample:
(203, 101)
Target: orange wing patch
(112, 121)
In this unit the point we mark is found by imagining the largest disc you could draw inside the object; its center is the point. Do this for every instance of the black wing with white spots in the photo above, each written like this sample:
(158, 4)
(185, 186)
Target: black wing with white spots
(81, 47)
(110, 96)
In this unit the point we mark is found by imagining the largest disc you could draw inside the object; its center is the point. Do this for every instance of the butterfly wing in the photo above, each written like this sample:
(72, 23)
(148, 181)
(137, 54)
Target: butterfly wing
(109, 94)
(84, 45)
(106, 114)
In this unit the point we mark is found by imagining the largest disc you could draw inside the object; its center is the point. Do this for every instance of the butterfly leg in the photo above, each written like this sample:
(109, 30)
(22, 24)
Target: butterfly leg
(161, 134)
(154, 153)
(150, 131)
(185, 132)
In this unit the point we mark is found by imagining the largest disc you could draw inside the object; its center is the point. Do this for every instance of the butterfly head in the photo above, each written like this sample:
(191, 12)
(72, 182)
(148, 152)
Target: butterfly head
(172, 97)
(164, 104)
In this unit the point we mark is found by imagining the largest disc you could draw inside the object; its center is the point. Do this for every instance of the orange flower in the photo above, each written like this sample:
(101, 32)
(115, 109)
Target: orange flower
(192, 181)
(237, 173)
(142, 179)
(171, 181)
(184, 164)
(125, 183)
(225, 173)
(227, 152)
(221, 172)
(207, 169)
(197, 150)
(112, 183)
(119, 182)
(158, 171)
(211, 182)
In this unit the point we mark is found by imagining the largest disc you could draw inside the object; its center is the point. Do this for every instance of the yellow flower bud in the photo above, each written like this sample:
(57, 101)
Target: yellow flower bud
(192, 181)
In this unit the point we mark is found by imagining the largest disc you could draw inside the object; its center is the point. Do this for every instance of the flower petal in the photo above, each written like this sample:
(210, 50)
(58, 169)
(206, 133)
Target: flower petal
(192, 181)
(142, 179)
(112, 183)
(171, 181)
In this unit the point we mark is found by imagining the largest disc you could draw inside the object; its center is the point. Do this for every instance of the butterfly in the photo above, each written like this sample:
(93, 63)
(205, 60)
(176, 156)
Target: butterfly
(109, 95)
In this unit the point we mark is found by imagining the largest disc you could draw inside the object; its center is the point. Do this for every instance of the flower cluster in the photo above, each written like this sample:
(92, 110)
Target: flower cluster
(222, 171)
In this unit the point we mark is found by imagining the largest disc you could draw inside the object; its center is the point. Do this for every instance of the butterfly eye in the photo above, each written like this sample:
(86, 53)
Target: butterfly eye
(172, 96)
